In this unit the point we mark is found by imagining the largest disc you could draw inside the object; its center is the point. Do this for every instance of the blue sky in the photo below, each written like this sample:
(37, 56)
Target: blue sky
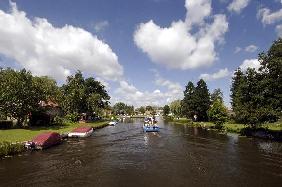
(144, 51)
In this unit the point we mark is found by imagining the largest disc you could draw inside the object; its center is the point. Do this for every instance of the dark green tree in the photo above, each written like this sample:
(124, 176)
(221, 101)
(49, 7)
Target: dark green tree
(201, 100)
(166, 110)
(188, 102)
(217, 95)
(19, 94)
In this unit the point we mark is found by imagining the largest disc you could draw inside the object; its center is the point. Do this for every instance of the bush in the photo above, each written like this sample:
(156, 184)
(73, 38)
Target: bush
(7, 148)
(5, 124)
(58, 120)
(72, 117)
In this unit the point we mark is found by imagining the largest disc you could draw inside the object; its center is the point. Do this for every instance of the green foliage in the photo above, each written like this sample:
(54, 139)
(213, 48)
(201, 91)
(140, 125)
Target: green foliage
(141, 110)
(166, 110)
(6, 124)
(122, 109)
(217, 95)
(175, 108)
(196, 101)
(19, 94)
(58, 120)
(74, 117)
(257, 96)
(83, 95)
(7, 148)
(217, 113)
(188, 102)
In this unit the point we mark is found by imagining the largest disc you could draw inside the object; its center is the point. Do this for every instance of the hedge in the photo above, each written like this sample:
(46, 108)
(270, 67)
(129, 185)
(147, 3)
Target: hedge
(6, 124)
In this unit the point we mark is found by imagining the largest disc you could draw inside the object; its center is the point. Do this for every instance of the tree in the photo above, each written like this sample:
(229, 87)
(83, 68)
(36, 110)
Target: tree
(84, 95)
(201, 100)
(142, 110)
(19, 94)
(175, 108)
(216, 95)
(217, 113)
(119, 108)
(188, 102)
(166, 110)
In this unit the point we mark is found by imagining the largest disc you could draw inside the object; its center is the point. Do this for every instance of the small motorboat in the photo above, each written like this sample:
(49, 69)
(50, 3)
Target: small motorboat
(81, 132)
(45, 140)
(113, 123)
(149, 128)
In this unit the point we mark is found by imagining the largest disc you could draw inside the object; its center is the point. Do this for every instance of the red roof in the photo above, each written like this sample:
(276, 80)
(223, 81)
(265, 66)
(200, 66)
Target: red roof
(82, 129)
(47, 139)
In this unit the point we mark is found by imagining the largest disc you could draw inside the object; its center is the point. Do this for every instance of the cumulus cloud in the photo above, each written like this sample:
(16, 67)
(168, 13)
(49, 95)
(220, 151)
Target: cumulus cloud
(129, 94)
(238, 5)
(177, 46)
(101, 25)
(251, 48)
(47, 50)
(268, 17)
(250, 63)
(217, 75)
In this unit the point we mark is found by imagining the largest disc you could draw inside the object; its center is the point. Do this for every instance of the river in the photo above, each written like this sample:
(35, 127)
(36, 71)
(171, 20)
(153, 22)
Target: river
(126, 156)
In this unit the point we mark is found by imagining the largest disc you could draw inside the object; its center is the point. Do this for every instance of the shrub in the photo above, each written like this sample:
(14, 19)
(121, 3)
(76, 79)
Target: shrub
(7, 148)
(74, 117)
(6, 124)
(58, 120)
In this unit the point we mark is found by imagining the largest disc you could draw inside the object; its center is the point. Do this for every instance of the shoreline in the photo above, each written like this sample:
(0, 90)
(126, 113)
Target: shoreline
(274, 134)
(12, 140)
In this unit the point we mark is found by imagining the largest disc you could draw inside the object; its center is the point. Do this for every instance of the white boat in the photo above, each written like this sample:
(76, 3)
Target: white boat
(113, 123)
(81, 132)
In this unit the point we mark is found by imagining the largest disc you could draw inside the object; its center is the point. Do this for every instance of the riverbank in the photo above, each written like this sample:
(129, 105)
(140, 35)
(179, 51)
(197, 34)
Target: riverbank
(266, 131)
(11, 140)
(25, 134)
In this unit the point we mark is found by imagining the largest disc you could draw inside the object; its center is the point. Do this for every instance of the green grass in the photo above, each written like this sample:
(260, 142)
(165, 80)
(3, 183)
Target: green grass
(20, 135)
(229, 127)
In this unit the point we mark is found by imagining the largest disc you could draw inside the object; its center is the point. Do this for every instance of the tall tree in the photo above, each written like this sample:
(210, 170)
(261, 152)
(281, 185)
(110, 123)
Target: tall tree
(19, 94)
(202, 100)
(217, 95)
(188, 102)
(175, 108)
(217, 113)
(166, 110)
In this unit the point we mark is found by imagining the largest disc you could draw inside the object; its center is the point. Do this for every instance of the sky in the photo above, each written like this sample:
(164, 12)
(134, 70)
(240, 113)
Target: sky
(144, 52)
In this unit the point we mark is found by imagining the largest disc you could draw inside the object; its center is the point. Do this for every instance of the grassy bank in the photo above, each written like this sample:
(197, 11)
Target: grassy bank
(228, 127)
(20, 135)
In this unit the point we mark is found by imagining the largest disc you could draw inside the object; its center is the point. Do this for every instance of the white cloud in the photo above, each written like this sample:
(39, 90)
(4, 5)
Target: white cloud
(177, 46)
(47, 50)
(237, 50)
(250, 63)
(251, 48)
(279, 30)
(217, 75)
(238, 5)
(268, 17)
(101, 25)
(131, 95)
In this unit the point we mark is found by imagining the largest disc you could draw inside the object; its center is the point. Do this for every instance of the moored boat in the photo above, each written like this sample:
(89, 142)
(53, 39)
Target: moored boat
(46, 140)
(81, 132)
(113, 123)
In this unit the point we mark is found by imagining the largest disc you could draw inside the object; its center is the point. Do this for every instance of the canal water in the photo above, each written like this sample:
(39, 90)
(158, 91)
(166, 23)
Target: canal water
(126, 156)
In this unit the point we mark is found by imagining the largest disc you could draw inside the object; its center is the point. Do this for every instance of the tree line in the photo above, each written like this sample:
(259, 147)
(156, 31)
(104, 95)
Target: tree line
(256, 95)
(21, 94)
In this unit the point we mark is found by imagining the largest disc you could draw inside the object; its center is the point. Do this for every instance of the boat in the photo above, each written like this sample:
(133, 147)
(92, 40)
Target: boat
(46, 140)
(81, 132)
(149, 128)
(113, 123)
